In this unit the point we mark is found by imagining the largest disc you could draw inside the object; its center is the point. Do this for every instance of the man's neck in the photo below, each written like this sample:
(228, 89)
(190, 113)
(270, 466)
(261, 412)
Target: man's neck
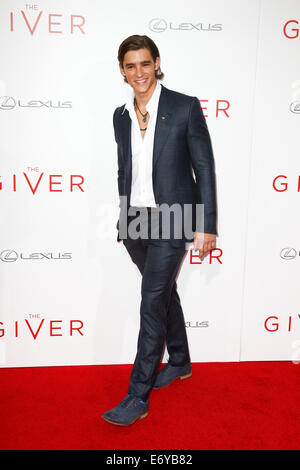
(142, 99)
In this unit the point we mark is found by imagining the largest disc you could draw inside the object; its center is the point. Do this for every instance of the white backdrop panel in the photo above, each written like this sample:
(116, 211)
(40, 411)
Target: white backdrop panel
(60, 261)
(271, 321)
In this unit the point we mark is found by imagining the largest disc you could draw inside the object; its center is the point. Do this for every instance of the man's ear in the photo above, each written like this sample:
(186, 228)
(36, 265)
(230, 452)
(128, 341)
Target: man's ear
(122, 70)
(157, 63)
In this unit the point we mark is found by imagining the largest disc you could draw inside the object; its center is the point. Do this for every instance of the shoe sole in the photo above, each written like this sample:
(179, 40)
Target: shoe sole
(128, 424)
(181, 377)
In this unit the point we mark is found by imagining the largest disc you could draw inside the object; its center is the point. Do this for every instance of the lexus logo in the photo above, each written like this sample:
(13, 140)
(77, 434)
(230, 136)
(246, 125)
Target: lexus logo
(196, 324)
(8, 256)
(7, 102)
(158, 25)
(295, 107)
(288, 253)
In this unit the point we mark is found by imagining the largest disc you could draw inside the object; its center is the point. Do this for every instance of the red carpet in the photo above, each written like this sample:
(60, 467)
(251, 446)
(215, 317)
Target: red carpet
(252, 405)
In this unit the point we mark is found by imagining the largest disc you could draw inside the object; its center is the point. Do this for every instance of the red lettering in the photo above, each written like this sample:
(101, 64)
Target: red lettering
(292, 29)
(203, 106)
(273, 324)
(54, 182)
(285, 185)
(38, 330)
(36, 186)
(77, 25)
(52, 23)
(35, 24)
(213, 256)
(75, 328)
(222, 109)
(76, 184)
(54, 328)
(194, 256)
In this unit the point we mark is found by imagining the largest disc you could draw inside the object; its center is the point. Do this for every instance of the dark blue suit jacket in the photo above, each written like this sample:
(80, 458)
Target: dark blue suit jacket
(183, 162)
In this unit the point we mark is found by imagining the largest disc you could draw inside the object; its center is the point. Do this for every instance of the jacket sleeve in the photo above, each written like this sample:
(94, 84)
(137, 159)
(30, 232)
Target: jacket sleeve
(120, 162)
(120, 157)
(115, 125)
(202, 160)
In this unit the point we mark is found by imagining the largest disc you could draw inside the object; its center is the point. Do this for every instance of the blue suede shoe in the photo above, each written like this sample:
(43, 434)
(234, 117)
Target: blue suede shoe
(127, 411)
(169, 373)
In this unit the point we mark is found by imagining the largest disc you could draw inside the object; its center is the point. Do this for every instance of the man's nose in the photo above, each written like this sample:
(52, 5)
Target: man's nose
(139, 71)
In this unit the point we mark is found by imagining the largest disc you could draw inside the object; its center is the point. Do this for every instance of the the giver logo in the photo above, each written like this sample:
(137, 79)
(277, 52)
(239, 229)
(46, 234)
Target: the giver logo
(32, 182)
(34, 21)
(38, 327)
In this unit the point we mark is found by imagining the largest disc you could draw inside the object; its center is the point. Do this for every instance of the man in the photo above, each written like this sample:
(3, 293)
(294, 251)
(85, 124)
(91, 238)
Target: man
(162, 139)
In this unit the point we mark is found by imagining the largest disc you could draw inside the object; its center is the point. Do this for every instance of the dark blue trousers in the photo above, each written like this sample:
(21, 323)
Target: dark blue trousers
(161, 315)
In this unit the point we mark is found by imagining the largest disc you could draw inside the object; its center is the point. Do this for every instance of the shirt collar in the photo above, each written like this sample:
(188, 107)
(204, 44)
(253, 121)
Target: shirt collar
(152, 103)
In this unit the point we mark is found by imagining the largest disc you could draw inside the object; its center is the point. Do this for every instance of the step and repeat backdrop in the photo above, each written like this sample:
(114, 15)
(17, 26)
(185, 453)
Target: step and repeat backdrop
(69, 293)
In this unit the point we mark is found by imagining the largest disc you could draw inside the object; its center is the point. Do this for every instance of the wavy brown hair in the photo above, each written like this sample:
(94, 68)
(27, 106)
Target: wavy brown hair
(135, 42)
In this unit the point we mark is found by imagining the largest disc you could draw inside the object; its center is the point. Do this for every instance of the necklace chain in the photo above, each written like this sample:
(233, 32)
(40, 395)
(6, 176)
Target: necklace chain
(144, 115)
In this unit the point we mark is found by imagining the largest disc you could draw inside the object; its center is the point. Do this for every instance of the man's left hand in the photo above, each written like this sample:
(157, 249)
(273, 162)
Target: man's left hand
(204, 242)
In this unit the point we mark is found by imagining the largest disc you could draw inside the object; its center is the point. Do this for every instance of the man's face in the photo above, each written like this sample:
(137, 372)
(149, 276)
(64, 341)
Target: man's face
(139, 69)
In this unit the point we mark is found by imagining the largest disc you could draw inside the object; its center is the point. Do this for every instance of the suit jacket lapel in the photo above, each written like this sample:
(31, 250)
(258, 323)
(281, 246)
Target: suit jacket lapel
(163, 124)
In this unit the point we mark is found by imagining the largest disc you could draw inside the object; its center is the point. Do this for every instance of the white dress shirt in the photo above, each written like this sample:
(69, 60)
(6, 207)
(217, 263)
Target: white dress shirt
(142, 194)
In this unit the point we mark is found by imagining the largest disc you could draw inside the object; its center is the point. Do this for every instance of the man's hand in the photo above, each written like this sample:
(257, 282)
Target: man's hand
(204, 242)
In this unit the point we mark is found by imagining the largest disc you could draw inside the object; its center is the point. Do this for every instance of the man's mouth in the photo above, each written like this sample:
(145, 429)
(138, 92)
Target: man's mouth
(141, 82)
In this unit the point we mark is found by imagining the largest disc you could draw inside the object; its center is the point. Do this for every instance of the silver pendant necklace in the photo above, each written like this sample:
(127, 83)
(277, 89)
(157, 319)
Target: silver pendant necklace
(144, 115)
